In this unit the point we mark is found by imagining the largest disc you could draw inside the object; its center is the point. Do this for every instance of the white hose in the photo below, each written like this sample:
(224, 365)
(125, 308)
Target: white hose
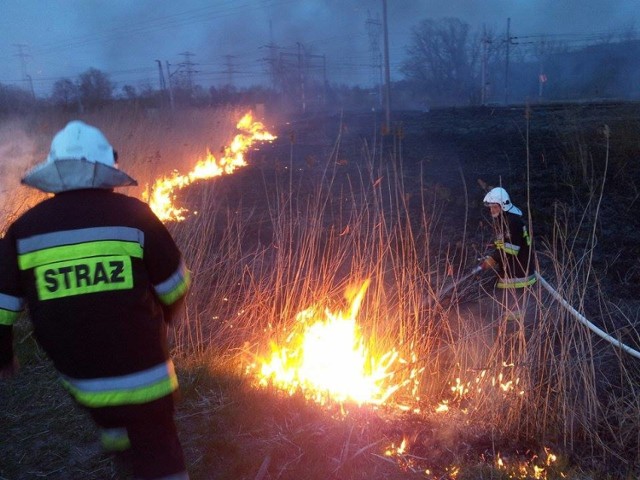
(447, 289)
(584, 321)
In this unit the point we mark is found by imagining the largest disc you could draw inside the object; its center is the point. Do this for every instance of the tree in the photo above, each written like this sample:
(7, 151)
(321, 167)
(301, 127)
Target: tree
(95, 88)
(14, 99)
(129, 92)
(65, 93)
(443, 61)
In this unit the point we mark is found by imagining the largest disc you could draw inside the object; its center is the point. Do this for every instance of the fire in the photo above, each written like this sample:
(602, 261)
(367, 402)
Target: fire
(326, 358)
(161, 195)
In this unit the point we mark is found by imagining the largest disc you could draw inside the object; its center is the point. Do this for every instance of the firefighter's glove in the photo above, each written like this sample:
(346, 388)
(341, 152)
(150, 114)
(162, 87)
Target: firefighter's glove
(488, 263)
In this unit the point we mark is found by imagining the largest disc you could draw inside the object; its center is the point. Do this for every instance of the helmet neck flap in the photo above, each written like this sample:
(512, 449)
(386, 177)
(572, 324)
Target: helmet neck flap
(80, 157)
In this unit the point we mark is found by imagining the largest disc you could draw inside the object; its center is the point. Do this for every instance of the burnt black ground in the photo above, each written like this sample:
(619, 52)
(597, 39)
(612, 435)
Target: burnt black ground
(575, 166)
(553, 160)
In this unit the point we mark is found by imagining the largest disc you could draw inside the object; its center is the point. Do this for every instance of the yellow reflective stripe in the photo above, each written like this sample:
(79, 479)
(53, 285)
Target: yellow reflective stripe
(10, 308)
(516, 282)
(175, 286)
(115, 439)
(8, 317)
(511, 249)
(177, 292)
(82, 250)
(508, 248)
(132, 396)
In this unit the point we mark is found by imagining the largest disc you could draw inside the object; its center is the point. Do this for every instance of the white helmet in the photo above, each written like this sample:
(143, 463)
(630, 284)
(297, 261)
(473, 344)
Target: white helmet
(499, 195)
(80, 157)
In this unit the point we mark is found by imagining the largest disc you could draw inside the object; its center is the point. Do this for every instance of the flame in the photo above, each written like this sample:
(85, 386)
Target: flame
(392, 450)
(161, 195)
(326, 358)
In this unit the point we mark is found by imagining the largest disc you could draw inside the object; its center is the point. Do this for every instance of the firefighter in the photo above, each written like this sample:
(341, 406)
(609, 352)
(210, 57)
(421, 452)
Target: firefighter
(513, 262)
(511, 258)
(102, 278)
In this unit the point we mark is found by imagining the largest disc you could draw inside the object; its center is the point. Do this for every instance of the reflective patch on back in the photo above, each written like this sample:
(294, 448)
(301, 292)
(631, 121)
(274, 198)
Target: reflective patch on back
(84, 275)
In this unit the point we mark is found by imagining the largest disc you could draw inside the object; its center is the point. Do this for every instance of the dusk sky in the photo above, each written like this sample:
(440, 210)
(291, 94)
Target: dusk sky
(228, 39)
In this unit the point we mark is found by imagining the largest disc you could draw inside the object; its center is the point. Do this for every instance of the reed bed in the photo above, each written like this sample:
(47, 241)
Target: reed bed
(278, 237)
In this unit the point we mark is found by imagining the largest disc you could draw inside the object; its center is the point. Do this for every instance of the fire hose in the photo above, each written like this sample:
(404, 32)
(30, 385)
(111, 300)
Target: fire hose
(577, 315)
(447, 289)
(582, 319)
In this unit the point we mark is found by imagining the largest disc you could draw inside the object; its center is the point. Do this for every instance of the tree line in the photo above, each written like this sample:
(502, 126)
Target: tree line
(448, 63)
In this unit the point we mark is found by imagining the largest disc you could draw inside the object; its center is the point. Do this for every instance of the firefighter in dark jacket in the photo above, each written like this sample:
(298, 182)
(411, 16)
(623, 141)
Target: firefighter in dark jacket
(511, 258)
(513, 262)
(101, 277)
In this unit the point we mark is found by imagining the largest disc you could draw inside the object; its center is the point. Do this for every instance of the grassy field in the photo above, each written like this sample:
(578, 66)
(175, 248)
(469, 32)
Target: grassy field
(325, 209)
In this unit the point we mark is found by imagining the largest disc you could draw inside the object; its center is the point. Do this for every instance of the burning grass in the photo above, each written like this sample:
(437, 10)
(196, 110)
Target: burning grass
(284, 377)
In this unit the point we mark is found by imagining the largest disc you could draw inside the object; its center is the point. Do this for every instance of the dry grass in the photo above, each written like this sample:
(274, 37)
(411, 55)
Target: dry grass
(277, 238)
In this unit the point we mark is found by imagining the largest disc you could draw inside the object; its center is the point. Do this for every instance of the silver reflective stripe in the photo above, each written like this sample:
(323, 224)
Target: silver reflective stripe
(173, 281)
(8, 302)
(124, 382)
(81, 235)
(175, 476)
(518, 280)
(511, 246)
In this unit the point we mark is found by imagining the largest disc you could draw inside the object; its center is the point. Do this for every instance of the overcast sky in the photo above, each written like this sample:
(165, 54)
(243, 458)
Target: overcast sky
(227, 40)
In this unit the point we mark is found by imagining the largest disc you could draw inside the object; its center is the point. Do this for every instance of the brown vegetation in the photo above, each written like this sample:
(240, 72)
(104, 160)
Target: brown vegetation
(334, 201)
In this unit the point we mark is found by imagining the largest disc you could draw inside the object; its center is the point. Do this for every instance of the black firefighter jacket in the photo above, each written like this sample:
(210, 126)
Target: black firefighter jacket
(513, 253)
(97, 271)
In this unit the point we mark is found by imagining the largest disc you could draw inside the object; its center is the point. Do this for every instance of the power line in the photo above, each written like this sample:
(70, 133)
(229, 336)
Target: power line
(153, 24)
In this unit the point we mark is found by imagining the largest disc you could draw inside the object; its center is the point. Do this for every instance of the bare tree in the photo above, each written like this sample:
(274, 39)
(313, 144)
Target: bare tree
(14, 99)
(95, 88)
(65, 93)
(443, 61)
(129, 92)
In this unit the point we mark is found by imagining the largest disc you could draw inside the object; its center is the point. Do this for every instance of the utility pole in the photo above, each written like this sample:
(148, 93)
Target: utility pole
(374, 29)
(387, 73)
(325, 83)
(483, 87)
(163, 85)
(506, 71)
(30, 82)
(302, 79)
(169, 74)
(542, 77)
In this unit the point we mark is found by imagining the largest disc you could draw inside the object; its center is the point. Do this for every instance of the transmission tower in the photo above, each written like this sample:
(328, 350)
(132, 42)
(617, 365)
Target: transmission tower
(230, 69)
(187, 67)
(272, 60)
(23, 55)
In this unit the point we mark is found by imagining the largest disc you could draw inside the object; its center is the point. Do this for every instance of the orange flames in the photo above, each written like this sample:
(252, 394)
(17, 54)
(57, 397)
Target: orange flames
(161, 195)
(326, 359)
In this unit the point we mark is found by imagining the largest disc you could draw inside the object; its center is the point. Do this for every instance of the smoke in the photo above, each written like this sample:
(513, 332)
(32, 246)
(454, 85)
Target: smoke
(18, 152)
(230, 40)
